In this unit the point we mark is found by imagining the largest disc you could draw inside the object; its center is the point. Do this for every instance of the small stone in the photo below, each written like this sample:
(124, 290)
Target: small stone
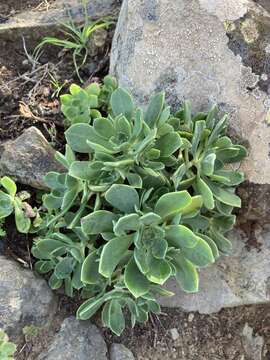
(174, 334)
(253, 345)
(29, 158)
(25, 299)
(25, 62)
(76, 340)
(190, 317)
(120, 352)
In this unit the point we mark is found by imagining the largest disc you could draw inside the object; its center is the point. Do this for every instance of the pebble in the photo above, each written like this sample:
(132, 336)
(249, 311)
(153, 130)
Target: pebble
(174, 334)
(190, 317)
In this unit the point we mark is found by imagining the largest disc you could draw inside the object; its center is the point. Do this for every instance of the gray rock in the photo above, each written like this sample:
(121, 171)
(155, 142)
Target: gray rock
(33, 25)
(120, 352)
(29, 158)
(240, 279)
(76, 340)
(253, 345)
(25, 299)
(183, 47)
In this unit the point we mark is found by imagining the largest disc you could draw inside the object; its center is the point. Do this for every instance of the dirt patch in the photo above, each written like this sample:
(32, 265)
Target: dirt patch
(182, 336)
(13, 7)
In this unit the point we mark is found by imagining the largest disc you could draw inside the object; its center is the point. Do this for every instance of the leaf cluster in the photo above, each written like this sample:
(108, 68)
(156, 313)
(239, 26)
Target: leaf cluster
(146, 196)
(7, 348)
(13, 202)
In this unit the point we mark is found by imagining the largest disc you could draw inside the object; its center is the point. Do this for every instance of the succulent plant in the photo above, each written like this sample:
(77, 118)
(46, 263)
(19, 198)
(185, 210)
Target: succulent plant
(7, 348)
(146, 196)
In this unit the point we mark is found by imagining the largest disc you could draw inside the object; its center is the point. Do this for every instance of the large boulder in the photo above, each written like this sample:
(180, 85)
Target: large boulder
(28, 159)
(240, 279)
(76, 340)
(211, 51)
(25, 299)
(208, 51)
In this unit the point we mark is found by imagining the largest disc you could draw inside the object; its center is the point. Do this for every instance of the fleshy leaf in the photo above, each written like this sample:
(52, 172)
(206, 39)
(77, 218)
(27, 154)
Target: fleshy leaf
(112, 253)
(123, 197)
(135, 281)
(171, 204)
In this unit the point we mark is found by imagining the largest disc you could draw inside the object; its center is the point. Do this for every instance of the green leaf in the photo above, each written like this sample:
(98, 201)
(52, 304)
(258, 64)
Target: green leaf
(89, 273)
(197, 134)
(142, 256)
(89, 308)
(150, 219)
(112, 253)
(23, 223)
(104, 127)
(122, 103)
(159, 271)
(200, 255)
(98, 222)
(6, 205)
(123, 197)
(154, 109)
(208, 164)
(226, 177)
(206, 193)
(77, 136)
(212, 245)
(194, 206)
(134, 180)
(64, 268)
(48, 246)
(54, 282)
(116, 320)
(159, 248)
(168, 144)
(186, 274)
(85, 170)
(223, 244)
(225, 196)
(52, 202)
(135, 281)
(9, 185)
(171, 204)
(180, 236)
(126, 223)
(219, 127)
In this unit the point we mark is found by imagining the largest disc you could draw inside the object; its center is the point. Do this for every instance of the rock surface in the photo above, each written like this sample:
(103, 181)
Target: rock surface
(120, 352)
(240, 279)
(33, 24)
(25, 299)
(76, 340)
(253, 344)
(184, 47)
(28, 159)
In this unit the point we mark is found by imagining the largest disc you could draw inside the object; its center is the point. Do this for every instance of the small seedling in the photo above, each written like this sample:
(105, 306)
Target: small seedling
(76, 39)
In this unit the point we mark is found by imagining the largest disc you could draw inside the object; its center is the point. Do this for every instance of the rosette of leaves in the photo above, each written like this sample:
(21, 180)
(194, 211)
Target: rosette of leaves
(146, 195)
(206, 170)
(13, 202)
(84, 105)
